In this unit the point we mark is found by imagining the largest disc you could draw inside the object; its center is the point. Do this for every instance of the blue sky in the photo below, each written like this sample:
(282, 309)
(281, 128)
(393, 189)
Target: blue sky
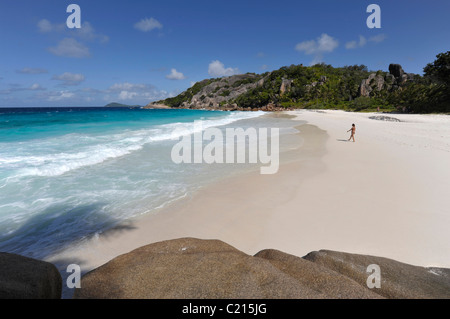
(134, 52)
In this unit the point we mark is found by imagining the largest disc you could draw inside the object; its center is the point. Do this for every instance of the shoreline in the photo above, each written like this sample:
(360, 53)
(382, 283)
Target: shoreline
(383, 195)
(102, 247)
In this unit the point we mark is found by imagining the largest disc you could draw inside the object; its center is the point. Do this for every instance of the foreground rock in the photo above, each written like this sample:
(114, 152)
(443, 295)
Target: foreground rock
(398, 280)
(27, 278)
(194, 268)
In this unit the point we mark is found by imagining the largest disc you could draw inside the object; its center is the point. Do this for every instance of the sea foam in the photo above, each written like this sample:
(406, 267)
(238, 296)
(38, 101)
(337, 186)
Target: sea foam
(68, 175)
(69, 152)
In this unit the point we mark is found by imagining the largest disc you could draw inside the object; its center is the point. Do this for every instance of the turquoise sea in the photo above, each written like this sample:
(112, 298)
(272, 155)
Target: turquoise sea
(70, 173)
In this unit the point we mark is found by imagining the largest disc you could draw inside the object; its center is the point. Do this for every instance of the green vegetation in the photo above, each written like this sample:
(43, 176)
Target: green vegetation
(432, 92)
(324, 87)
(246, 81)
(225, 93)
(318, 86)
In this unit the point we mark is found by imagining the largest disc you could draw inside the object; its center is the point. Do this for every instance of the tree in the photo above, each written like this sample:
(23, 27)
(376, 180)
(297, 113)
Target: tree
(439, 74)
(439, 70)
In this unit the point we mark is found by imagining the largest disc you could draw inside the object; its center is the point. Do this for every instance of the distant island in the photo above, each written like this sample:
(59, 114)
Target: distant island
(115, 104)
(322, 86)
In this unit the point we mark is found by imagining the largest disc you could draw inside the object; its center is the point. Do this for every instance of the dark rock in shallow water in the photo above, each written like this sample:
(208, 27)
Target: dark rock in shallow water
(384, 118)
(27, 278)
(194, 268)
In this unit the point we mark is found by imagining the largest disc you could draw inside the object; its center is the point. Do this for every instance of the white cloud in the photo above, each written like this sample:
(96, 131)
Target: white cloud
(317, 59)
(135, 93)
(216, 68)
(146, 25)
(323, 44)
(32, 71)
(264, 67)
(86, 32)
(309, 47)
(363, 41)
(60, 95)
(129, 93)
(17, 88)
(69, 79)
(351, 45)
(46, 26)
(36, 87)
(126, 95)
(175, 75)
(327, 43)
(69, 47)
(354, 44)
(128, 86)
(261, 55)
(378, 38)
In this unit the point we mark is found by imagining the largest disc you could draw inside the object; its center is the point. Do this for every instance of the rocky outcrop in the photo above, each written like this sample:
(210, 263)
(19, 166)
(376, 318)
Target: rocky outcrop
(272, 107)
(28, 278)
(392, 81)
(401, 77)
(375, 82)
(194, 268)
(285, 86)
(365, 88)
(398, 280)
(396, 70)
(322, 81)
(218, 93)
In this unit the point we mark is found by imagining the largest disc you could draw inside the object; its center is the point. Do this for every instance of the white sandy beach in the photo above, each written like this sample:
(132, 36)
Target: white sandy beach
(385, 195)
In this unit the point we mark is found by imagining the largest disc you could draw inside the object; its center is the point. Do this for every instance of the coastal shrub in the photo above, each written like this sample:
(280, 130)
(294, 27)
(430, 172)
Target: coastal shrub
(363, 103)
(225, 93)
(430, 93)
(245, 81)
(439, 70)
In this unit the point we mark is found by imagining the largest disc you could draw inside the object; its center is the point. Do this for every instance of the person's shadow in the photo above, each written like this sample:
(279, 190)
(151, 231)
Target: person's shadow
(342, 140)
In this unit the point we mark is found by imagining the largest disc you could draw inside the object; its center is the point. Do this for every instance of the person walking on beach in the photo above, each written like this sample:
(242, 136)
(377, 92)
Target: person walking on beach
(353, 129)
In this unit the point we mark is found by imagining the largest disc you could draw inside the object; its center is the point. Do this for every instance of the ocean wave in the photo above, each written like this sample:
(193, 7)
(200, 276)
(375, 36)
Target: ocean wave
(57, 156)
(174, 131)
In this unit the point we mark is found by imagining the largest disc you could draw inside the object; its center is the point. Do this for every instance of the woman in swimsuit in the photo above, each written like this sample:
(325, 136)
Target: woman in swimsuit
(353, 129)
